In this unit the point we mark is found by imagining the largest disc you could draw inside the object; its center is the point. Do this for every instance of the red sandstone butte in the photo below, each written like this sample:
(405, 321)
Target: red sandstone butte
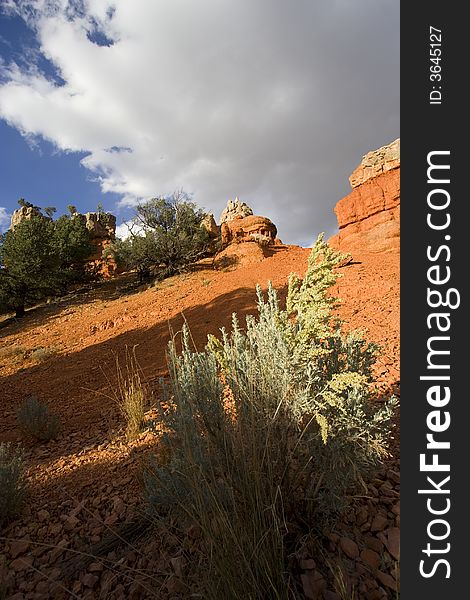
(248, 228)
(369, 217)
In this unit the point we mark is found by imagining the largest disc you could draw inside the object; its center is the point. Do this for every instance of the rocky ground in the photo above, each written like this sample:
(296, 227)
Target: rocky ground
(85, 485)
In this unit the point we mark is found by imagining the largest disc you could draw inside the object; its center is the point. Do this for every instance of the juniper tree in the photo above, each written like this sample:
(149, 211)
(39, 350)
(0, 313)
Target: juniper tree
(28, 262)
(72, 245)
(39, 257)
(165, 235)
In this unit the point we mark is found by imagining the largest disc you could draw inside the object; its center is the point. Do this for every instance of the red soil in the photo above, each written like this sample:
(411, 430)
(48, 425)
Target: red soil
(89, 469)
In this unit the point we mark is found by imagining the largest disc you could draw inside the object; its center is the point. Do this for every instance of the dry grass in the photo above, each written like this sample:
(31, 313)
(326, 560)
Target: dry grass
(42, 354)
(12, 488)
(12, 354)
(35, 420)
(131, 393)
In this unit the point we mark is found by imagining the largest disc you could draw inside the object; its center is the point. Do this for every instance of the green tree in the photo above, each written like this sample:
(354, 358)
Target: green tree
(72, 245)
(165, 234)
(22, 202)
(136, 252)
(28, 263)
(50, 210)
(39, 257)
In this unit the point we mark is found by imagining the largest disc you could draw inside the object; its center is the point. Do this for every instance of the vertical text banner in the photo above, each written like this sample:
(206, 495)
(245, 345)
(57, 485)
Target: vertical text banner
(435, 330)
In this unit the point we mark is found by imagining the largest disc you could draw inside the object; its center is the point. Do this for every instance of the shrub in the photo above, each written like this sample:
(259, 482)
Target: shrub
(12, 484)
(13, 353)
(165, 237)
(35, 420)
(42, 354)
(267, 426)
(131, 393)
(39, 257)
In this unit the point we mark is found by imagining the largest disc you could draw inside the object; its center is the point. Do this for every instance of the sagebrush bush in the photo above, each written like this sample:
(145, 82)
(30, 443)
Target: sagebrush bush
(35, 419)
(131, 393)
(13, 353)
(12, 483)
(267, 426)
(42, 354)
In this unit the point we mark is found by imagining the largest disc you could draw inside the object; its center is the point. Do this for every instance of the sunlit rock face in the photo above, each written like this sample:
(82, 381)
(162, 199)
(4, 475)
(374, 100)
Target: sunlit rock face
(369, 217)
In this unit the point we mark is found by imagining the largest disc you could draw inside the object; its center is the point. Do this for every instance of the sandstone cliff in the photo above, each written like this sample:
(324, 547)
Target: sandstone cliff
(25, 213)
(100, 225)
(249, 229)
(369, 217)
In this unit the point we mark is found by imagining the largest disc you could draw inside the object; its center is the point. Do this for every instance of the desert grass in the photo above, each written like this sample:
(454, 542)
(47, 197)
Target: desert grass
(12, 482)
(35, 420)
(14, 353)
(42, 354)
(131, 393)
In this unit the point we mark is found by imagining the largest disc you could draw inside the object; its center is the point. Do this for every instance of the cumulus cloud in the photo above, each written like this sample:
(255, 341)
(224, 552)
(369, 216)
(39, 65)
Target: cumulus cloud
(127, 228)
(4, 219)
(271, 101)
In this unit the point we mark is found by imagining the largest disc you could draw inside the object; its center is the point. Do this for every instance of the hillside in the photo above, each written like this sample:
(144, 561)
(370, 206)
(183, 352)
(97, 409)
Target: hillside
(86, 481)
(82, 533)
(85, 332)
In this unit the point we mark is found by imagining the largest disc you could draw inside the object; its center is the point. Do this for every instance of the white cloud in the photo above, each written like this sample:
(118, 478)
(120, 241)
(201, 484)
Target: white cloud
(125, 229)
(4, 219)
(272, 101)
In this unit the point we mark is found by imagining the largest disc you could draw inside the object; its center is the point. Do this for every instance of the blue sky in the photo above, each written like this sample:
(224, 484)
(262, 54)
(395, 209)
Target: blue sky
(114, 102)
(44, 176)
(33, 168)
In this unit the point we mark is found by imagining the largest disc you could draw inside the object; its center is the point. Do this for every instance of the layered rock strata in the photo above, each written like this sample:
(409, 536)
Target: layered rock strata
(248, 229)
(369, 217)
(102, 229)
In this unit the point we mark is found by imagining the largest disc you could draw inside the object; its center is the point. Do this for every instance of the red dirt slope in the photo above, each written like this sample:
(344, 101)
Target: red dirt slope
(83, 483)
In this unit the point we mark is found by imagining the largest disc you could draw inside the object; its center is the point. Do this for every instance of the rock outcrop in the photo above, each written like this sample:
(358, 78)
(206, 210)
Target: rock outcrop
(235, 210)
(238, 225)
(25, 213)
(377, 162)
(238, 255)
(101, 225)
(249, 229)
(209, 224)
(102, 228)
(369, 217)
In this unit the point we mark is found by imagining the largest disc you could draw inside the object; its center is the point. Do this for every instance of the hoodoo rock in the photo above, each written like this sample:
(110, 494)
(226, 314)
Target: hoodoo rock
(100, 225)
(208, 223)
(239, 225)
(369, 217)
(102, 228)
(25, 213)
(249, 229)
(235, 210)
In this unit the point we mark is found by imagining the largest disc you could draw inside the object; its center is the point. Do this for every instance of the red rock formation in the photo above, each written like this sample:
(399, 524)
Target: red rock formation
(248, 229)
(369, 217)
(238, 255)
(26, 213)
(376, 162)
(102, 228)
